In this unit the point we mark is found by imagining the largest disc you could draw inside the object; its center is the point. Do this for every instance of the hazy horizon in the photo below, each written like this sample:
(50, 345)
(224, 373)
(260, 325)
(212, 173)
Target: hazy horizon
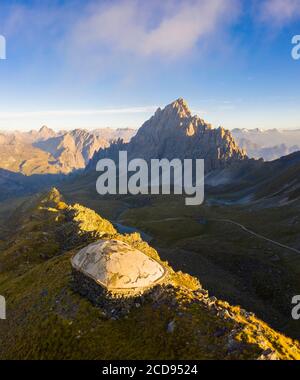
(139, 115)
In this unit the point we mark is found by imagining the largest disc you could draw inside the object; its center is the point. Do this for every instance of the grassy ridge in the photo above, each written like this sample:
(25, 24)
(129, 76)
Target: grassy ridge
(47, 320)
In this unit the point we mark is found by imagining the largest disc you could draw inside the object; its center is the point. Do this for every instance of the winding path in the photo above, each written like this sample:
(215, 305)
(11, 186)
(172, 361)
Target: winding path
(240, 226)
(256, 234)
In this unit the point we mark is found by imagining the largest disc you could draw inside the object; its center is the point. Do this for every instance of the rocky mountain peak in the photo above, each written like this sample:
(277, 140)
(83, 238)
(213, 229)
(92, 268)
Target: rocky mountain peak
(182, 108)
(178, 108)
(173, 132)
(46, 131)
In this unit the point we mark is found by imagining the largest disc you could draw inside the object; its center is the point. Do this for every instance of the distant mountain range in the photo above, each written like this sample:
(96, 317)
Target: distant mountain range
(29, 160)
(49, 152)
(267, 144)
(171, 132)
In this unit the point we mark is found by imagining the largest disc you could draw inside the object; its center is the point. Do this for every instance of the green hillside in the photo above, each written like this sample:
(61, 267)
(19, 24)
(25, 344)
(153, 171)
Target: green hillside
(47, 320)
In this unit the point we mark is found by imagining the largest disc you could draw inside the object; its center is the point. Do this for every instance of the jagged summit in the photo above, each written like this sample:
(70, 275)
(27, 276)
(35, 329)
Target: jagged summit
(44, 133)
(44, 129)
(173, 132)
(179, 107)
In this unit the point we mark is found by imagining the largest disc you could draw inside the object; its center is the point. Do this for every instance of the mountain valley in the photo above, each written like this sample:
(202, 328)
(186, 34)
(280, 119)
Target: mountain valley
(242, 245)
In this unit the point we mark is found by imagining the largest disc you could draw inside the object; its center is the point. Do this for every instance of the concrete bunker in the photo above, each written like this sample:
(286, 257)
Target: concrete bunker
(111, 269)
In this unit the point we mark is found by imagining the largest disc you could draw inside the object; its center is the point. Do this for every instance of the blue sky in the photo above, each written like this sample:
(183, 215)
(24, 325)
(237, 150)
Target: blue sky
(111, 63)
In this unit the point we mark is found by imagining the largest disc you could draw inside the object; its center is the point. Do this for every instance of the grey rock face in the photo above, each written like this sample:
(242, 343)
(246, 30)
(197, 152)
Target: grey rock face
(173, 132)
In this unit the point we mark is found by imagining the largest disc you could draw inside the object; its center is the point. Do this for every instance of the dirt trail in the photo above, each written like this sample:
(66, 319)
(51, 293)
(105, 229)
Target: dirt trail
(256, 234)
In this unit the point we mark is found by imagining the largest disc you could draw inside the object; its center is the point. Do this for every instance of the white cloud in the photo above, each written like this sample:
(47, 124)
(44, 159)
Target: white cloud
(169, 29)
(66, 113)
(279, 12)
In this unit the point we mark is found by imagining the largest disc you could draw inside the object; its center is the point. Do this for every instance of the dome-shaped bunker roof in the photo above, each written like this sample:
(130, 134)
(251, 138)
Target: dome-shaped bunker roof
(116, 265)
